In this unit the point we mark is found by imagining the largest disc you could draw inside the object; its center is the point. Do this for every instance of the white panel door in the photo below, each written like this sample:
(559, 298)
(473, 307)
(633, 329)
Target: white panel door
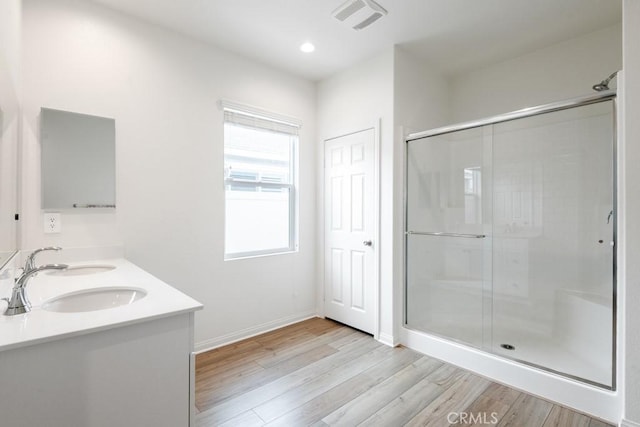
(349, 195)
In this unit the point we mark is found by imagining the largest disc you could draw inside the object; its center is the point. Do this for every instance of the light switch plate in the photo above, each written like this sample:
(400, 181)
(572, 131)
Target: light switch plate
(52, 222)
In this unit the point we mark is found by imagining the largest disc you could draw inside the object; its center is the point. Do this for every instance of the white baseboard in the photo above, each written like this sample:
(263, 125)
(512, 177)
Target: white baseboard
(628, 423)
(387, 339)
(206, 345)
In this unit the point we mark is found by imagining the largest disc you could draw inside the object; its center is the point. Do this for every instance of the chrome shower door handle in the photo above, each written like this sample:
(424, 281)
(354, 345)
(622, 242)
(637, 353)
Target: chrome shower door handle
(368, 243)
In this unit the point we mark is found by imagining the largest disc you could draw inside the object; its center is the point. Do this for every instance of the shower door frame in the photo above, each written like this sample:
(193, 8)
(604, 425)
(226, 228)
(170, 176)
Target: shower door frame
(609, 95)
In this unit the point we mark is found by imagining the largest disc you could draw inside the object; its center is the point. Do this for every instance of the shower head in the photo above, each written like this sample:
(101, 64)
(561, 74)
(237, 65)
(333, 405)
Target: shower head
(604, 85)
(601, 86)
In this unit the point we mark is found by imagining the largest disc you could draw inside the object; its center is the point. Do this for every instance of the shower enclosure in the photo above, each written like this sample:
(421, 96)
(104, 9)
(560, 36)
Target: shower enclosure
(510, 236)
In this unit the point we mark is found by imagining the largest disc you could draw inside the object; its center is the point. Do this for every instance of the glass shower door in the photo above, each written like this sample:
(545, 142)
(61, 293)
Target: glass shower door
(510, 238)
(446, 257)
(553, 239)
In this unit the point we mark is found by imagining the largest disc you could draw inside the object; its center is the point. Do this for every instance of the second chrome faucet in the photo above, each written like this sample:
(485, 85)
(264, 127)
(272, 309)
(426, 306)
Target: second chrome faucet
(19, 301)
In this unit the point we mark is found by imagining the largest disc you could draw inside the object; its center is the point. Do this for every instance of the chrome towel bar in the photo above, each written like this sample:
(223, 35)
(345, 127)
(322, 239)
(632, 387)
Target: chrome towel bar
(442, 234)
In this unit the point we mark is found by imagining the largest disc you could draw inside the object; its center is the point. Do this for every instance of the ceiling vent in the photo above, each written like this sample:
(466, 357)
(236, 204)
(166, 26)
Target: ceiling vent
(359, 14)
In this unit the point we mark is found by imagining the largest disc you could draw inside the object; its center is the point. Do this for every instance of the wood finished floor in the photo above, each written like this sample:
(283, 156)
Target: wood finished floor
(320, 373)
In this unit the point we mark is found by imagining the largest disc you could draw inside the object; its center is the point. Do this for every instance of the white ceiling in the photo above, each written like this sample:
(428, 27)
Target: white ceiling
(454, 35)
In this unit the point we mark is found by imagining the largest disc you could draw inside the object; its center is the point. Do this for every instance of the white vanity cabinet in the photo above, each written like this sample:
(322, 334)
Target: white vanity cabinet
(80, 370)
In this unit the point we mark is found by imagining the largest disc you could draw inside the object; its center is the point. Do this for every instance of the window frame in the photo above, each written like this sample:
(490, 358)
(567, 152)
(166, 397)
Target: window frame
(258, 184)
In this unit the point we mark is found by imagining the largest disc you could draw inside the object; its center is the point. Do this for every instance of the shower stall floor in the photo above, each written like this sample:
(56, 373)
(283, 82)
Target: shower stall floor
(547, 352)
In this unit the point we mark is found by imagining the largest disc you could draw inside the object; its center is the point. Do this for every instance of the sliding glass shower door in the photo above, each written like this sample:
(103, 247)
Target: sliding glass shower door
(510, 239)
(446, 222)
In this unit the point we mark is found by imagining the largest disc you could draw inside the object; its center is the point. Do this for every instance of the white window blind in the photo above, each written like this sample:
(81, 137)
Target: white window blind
(255, 122)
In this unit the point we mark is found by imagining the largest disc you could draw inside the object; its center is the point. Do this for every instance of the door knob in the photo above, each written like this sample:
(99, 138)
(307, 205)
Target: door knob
(367, 243)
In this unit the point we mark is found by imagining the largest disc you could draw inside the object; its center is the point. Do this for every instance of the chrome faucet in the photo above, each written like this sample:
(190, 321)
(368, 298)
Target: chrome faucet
(30, 264)
(19, 302)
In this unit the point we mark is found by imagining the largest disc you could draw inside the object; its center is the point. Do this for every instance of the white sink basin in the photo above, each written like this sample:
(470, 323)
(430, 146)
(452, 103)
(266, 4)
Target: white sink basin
(81, 270)
(94, 299)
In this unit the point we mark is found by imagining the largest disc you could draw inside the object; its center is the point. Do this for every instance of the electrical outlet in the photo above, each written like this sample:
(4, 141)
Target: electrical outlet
(52, 222)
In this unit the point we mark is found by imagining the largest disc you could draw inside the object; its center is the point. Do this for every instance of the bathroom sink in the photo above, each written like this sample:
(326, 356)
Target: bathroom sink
(81, 270)
(94, 299)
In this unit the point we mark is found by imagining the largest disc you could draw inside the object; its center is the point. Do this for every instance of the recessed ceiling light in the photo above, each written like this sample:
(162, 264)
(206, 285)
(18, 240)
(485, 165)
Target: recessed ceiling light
(307, 47)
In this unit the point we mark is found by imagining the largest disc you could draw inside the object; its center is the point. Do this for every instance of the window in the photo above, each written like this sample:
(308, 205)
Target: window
(259, 179)
(473, 195)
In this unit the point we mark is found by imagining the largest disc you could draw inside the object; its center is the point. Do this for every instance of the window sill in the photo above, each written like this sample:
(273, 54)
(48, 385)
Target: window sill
(250, 256)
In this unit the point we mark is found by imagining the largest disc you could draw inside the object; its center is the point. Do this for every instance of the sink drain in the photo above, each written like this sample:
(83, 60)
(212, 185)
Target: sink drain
(507, 346)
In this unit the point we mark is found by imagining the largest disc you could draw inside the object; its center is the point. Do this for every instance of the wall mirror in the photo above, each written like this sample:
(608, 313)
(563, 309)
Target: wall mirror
(8, 188)
(78, 160)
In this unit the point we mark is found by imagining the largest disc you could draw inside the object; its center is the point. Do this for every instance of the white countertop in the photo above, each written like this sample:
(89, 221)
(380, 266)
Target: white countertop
(40, 325)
